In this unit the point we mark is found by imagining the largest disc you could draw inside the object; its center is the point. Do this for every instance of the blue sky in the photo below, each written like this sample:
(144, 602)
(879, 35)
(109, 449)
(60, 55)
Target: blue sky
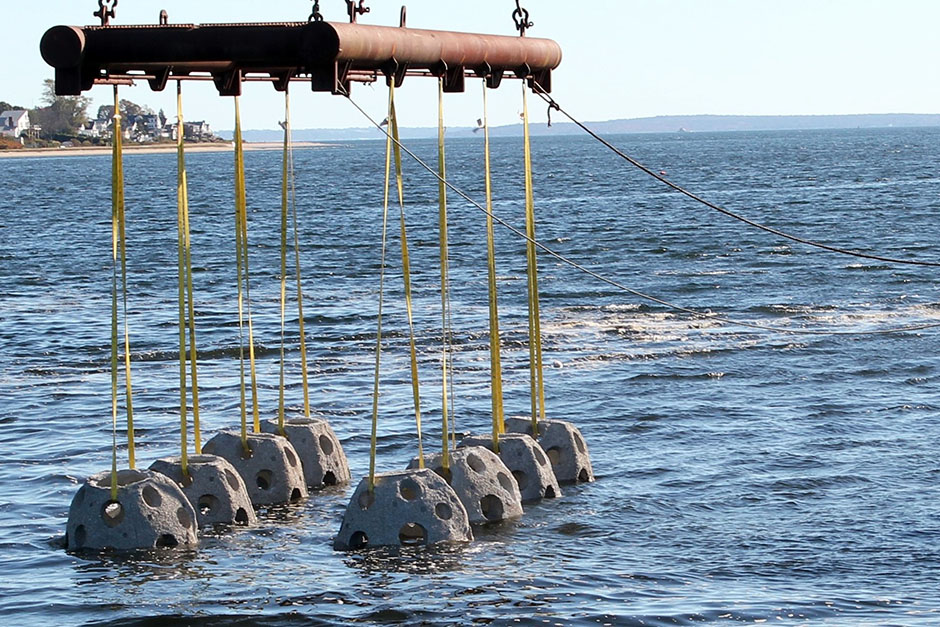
(622, 59)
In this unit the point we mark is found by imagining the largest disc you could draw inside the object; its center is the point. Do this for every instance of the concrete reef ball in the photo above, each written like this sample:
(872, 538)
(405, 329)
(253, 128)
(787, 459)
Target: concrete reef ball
(321, 454)
(526, 460)
(150, 512)
(482, 482)
(213, 487)
(271, 470)
(565, 446)
(406, 508)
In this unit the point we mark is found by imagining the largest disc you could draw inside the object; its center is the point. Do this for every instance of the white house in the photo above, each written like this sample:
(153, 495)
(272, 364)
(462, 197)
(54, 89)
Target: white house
(14, 123)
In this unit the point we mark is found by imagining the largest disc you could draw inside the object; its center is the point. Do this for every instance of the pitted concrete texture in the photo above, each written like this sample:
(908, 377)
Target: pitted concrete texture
(406, 508)
(150, 512)
(482, 482)
(271, 471)
(565, 446)
(214, 489)
(526, 460)
(321, 454)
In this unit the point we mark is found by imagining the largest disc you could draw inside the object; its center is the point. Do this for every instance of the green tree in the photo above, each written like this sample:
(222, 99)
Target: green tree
(6, 106)
(62, 115)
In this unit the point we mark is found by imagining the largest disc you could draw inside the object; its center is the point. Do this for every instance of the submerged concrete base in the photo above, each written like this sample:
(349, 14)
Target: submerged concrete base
(482, 482)
(565, 446)
(321, 455)
(527, 462)
(150, 512)
(214, 488)
(406, 508)
(271, 470)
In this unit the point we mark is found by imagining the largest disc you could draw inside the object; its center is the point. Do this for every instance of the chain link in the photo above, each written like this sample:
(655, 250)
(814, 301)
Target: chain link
(106, 11)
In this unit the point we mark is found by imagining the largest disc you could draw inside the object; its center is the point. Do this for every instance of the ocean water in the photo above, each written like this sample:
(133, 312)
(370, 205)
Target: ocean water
(743, 476)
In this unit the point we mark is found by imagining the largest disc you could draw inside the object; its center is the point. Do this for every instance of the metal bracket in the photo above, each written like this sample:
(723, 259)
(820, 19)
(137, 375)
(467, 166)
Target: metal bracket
(228, 83)
(159, 80)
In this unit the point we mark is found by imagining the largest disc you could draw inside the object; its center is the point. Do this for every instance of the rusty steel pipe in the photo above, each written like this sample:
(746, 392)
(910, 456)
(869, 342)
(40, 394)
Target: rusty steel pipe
(325, 51)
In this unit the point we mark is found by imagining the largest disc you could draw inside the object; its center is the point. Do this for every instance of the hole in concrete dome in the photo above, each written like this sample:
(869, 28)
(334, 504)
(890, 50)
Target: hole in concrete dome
(112, 513)
(232, 480)
(80, 536)
(579, 441)
(295, 495)
(412, 534)
(522, 479)
(167, 540)
(443, 511)
(476, 463)
(358, 540)
(505, 481)
(152, 497)
(583, 475)
(326, 445)
(264, 479)
(444, 473)
(207, 503)
(492, 507)
(409, 490)
(182, 515)
(539, 456)
(329, 478)
(241, 516)
(291, 458)
(550, 492)
(554, 455)
(366, 499)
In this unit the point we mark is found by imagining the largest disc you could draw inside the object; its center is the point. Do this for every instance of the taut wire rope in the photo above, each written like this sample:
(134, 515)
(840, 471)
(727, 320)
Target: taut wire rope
(406, 264)
(553, 104)
(496, 376)
(620, 286)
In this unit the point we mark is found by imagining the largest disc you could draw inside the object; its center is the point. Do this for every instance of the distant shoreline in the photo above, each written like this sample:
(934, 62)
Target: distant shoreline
(137, 149)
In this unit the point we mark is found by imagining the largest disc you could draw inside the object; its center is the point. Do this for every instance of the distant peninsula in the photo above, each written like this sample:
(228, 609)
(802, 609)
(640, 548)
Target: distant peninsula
(658, 124)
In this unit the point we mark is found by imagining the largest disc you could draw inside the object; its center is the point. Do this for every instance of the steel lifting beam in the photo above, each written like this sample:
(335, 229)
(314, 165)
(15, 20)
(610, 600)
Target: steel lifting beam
(328, 53)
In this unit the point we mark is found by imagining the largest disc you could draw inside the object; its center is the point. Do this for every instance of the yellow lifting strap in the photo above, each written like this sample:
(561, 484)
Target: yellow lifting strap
(496, 375)
(289, 210)
(181, 202)
(186, 304)
(115, 159)
(244, 296)
(445, 300)
(285, 202)
(378, 333)
(537, 387)
(406, 264)
(120, 247)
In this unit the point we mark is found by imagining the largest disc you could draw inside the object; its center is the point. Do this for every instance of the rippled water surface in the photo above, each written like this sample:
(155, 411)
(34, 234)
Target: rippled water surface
(743, 475)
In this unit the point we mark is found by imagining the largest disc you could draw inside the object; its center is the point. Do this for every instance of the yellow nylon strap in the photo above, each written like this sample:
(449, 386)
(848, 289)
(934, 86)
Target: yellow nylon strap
(406, 268)
(445, 303)
(496, 374)
(181, 202)
(240, 265)
(115, 159)
(300, 292)
(537, 388)
(378, 333)
(284, 209)
(191, 307)
(122, 242)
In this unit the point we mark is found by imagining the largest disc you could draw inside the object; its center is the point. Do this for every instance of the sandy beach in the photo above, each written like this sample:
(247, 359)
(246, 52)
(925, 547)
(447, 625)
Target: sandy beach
(145, 149)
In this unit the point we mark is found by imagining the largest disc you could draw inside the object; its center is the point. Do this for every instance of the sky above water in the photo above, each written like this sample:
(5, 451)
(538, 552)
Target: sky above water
(622, 59)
